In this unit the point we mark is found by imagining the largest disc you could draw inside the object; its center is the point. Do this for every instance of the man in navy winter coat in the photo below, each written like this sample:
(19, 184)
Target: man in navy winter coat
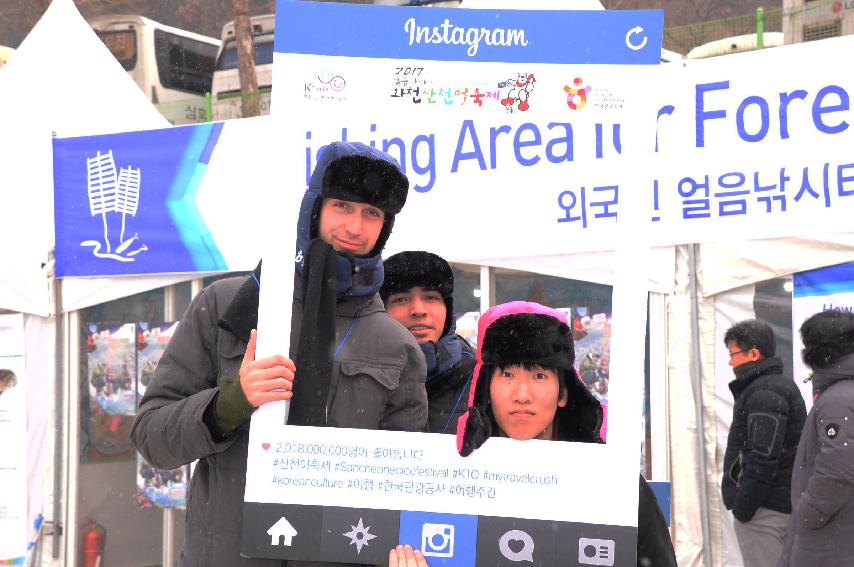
(768, 416)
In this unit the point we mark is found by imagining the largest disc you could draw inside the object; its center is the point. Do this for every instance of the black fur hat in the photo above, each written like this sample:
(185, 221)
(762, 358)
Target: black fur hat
(406, 270)
(827, 337)
(528, 337)
(527, 333)
(352, 171)
(365, 179)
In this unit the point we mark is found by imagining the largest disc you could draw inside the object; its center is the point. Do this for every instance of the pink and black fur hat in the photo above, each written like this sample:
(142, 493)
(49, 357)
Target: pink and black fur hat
(522, 332)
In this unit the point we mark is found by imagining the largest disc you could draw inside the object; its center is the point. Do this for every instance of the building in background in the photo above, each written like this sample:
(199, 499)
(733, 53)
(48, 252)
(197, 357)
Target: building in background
(810, 20)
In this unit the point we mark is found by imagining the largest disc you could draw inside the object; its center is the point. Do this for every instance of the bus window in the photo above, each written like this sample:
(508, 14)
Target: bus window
(122, 44)
(263, 54)
(182, 63)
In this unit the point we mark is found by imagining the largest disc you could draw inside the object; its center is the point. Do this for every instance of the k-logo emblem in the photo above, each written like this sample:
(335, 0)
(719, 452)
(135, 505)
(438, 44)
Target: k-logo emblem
(831, 430)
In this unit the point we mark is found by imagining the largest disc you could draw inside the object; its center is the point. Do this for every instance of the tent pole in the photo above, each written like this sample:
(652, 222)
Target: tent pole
(487, 288)
(168, 557)
(697, 375)
(71, 436)
(58, 415)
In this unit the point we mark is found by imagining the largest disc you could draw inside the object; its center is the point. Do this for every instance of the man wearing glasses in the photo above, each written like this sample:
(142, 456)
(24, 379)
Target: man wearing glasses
(767, 418)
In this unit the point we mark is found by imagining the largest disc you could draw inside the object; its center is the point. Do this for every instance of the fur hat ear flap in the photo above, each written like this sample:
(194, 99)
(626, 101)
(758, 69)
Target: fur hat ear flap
(581, 418)
(475, 427)
(478, 429)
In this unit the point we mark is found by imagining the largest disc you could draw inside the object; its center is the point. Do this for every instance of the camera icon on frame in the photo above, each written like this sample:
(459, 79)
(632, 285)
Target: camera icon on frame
(595, 551)
(437, 540)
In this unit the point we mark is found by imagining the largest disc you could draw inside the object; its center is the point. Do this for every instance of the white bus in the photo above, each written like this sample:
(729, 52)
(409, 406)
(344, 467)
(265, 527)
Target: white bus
(226, 80)
(173, 67)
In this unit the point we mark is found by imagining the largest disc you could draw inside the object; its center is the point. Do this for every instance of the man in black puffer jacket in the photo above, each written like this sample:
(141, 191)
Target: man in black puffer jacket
(418, 291)
(768, 416)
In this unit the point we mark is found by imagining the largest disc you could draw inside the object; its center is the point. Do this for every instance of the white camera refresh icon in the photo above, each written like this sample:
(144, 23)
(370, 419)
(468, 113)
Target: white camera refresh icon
(595, 551)
(437, 540)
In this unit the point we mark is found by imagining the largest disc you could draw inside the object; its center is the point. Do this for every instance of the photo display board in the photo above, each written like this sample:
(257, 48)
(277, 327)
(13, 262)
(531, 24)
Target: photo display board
(15, 530)
(492, 117)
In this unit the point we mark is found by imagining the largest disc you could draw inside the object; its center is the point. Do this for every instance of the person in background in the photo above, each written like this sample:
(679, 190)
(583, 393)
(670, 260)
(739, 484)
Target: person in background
(418, 291)
(821, 530)
(767, 418)
(353, 366)
(7, 380)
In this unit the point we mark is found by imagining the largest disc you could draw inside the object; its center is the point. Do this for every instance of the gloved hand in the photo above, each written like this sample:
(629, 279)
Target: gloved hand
(232, 407)
(743, 509)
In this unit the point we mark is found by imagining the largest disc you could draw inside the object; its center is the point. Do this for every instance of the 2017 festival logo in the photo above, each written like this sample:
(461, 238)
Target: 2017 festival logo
(112, 194)
(518, 91)
(326, 85)
(576, 97)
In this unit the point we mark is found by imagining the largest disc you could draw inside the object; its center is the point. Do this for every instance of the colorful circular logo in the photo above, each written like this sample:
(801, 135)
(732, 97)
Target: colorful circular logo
(576, 97)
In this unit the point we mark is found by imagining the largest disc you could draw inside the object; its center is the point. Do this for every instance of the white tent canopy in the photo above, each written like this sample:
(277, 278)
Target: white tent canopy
(729, 265)
(596, 267)
(62, 80)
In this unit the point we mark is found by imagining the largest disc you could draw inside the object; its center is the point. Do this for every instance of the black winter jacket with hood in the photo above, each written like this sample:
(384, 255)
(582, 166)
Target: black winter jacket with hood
(768, 416)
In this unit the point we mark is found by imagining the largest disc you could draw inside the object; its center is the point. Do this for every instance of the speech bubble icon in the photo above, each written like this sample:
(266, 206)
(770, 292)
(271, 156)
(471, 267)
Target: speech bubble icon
(524, 554)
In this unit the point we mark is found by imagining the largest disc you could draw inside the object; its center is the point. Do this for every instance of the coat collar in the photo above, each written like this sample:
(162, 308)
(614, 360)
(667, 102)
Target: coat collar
(842, 369)
(747, 373)
(241, 315)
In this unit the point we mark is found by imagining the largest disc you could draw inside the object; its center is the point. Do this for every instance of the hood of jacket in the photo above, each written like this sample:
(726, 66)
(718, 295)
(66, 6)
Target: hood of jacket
(842, 369)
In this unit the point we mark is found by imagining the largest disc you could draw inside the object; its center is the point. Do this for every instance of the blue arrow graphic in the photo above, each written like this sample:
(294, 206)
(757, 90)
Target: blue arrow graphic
(181, 201)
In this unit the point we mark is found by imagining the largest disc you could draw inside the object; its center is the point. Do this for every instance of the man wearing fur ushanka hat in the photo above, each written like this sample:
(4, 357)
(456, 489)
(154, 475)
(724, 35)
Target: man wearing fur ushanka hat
(353, 366)
(525, 387)
(418, 292)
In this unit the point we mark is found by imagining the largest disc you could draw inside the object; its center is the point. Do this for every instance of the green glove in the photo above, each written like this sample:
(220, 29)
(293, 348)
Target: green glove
(232, 407)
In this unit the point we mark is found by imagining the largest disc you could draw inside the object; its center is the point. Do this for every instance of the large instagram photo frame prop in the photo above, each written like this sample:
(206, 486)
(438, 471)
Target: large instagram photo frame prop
(500, 171)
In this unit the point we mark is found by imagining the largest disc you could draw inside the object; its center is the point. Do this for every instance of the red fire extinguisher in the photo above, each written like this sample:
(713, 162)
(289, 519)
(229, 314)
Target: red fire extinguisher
(94, 539)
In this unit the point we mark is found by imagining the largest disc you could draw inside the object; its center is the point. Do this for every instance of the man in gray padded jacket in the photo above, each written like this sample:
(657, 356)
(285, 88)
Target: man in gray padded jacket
(353, 365)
